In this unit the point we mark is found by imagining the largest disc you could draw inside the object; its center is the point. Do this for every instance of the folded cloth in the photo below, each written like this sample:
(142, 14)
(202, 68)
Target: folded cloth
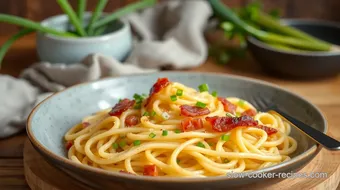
(170, 35)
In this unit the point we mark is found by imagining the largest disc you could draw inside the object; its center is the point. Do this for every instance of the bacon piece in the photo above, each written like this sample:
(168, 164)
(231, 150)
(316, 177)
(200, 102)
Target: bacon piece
(131, 120)
(224, 124)
(228, 106)
(192, 111)
(68, 145)
(249, 112)
(268, 130)
(158, 86)
(191, 124)
(85, 124)
(121, 107)
(150, 170)
(126, 172)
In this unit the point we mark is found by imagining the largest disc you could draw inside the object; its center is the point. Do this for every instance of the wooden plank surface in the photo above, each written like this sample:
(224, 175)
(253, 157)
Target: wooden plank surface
(324, 93)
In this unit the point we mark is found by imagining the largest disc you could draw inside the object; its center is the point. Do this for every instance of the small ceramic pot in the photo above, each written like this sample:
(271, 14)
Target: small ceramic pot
(115, 42)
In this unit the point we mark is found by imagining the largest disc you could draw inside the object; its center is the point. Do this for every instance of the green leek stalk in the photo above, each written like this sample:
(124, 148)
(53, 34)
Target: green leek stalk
(33, 25)
(66, 7)
(268, 22)
(96, 14)
(11, 40)
(123, 11)
(80, 11)
(282, 47)
(227, 14)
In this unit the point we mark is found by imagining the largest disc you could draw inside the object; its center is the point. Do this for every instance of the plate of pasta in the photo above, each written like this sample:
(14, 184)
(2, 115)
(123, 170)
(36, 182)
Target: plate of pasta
(173, 130)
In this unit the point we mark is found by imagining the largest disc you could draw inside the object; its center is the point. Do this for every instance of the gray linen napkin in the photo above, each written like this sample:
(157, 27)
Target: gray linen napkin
(170, 35)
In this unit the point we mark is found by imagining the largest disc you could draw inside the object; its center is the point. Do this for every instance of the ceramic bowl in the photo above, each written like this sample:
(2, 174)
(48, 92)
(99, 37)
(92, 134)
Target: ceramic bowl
(301, 65)
(115, 42)
(52, 118)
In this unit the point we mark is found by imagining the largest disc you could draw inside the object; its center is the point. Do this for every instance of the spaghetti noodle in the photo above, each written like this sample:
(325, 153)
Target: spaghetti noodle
(181, 132)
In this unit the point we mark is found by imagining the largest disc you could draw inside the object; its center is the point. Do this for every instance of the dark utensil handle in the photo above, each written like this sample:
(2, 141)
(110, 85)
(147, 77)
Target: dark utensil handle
(323, 139)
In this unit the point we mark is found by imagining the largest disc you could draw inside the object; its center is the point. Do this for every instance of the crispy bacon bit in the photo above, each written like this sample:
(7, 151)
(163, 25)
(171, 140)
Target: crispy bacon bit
(158, 86)
(191, 124)
(269, 130)
(121, 107)
(192, 111)
(228, 106)
(85, 124)
(150, 170)
(224, 124)
(249, 112)
(131, 120)
(126, 172)
(68, 145)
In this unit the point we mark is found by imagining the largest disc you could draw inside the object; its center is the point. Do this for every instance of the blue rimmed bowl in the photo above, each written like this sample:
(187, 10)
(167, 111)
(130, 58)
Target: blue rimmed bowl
(52, 118)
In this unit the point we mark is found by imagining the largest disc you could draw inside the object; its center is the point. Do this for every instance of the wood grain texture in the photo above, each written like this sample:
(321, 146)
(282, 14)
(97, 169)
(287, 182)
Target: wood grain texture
(41, 175)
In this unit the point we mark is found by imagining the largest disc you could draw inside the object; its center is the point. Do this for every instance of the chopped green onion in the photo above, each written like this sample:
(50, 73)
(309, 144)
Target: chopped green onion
(165, 133)
(211, 144)
(152, 135)
(225, 160)
(229, 114)
(122, 144)
(225, 137)
(241, 102)
(146, 113)
(178, 161)
(120, 100)
(200, 144)
(177, 131)
(136, 142)
(173, 98)
(115, 145)
(203, 87)
(153, 113)
(179, 92)
(201, 104)
(214, 93)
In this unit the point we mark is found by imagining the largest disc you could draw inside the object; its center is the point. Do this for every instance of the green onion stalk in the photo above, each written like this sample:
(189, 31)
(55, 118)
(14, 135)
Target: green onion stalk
(96, 14)
(67, 8)
(11, 40)
(225, 13)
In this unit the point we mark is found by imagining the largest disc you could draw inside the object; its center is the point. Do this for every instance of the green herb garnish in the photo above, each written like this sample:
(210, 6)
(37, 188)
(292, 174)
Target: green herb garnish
(225, 137)
(229, 114)
(200, 144)
(173, 98)
(152, 135)
(179, 92)
(122, 144)
(241, 103)
(136, 142)
(201, 104)
(115, 145)
(165, 133)
(177, 131)
(146, 113)
(153, 113)
(203, 87)
(214, 93)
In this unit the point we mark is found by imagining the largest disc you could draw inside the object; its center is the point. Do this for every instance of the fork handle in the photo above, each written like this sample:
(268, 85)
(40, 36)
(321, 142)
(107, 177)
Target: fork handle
(318, 136)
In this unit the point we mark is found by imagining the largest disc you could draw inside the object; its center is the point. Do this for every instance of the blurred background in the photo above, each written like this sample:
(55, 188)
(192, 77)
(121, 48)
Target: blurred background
(37, 10)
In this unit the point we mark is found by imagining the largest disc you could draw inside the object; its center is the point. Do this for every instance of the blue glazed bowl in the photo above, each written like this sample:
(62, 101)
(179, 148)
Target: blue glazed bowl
(51, 119)
(115, 42)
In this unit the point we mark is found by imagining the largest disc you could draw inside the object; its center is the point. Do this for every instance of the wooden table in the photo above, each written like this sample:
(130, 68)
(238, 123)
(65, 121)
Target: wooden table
(324, 93)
